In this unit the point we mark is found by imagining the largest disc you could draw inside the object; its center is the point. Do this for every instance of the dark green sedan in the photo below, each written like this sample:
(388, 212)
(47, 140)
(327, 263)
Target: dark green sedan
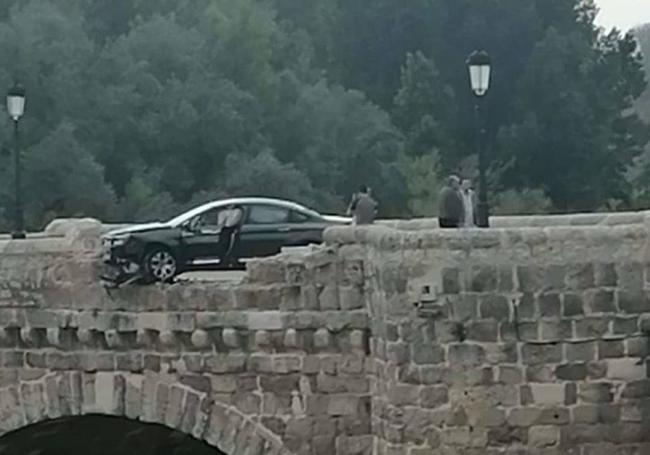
(190, 242)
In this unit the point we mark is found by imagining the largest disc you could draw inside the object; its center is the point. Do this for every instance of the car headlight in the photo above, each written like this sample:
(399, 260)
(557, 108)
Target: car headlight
(119, 241)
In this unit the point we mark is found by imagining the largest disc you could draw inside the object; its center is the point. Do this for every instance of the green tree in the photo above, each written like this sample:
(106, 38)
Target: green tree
(62, 180)
(424, 108)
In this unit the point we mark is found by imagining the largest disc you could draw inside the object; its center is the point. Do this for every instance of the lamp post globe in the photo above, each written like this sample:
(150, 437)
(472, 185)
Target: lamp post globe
(16, 102)
(479, 66)
(16, 109)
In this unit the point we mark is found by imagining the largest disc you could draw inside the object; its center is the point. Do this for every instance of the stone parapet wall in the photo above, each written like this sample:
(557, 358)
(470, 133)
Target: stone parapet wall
(531, 341)
(522, 221)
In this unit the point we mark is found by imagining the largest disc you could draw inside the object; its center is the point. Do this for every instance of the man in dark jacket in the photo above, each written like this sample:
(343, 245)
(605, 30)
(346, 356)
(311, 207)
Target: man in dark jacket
(363, 207)
(451, 210)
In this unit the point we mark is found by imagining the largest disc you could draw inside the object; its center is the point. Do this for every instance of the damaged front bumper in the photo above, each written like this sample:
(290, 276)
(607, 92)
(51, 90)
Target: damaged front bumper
(117, 271)
(115, 274)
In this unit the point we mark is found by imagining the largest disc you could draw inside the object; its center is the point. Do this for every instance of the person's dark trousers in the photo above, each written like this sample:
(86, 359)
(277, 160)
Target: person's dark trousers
(448, 223)
(226, 240)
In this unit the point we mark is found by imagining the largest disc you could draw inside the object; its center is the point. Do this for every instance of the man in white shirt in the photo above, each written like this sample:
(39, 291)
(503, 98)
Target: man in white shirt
(228, 224)
(469, 203)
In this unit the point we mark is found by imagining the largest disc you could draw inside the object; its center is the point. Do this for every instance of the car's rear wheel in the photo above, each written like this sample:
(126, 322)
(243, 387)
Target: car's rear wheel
(160, 265)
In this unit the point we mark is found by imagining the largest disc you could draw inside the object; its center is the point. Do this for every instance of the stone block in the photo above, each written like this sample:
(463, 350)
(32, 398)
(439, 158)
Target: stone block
(637, 347)
(626, 325)
(507, 435)
(352, 445)
(451, 281)
(486, 331)
(309, 297)
(351, 298)
(540, 373)
(594, 414)
(533, 354)
(549, 305)
(526, 306)
(548, 394)
(495, 307)
(281, 385)
(637, 389)
(463, 307)
(398, 353)
(543, 436)
(342, 405)
(462, 437)
(571, 372)
(322, 339)
(530, 278)
(466, 354)
(290, 298)
(434, 396)
(596, 370)
(404, 395)
(554, 277)
(606, 275)
(595, 392)
(630, 276)
(572, 305)
(225, 363)
(592, 327)
(580, 276)
(510, 375)
(129, 361)
(483, 279)
(633, 302)
(609, 349)
(600, 301)
(328, 298)
(555, 330)
(425, 354)
(581, 352)
(506, 279)
(265, 320)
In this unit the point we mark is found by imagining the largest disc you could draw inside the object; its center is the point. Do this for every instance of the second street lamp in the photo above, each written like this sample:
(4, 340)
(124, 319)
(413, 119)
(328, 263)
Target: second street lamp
(479, 66)
(16, 108)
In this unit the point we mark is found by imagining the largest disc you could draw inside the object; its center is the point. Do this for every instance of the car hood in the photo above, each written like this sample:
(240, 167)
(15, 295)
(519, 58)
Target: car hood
(335, 219)
(136, 228)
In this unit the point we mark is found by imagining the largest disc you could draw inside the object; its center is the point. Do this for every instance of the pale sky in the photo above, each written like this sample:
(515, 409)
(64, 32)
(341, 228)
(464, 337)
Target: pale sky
(623, 14)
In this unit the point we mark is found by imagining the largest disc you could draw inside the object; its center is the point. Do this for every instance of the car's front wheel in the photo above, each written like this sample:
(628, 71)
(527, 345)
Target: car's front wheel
(160, 265)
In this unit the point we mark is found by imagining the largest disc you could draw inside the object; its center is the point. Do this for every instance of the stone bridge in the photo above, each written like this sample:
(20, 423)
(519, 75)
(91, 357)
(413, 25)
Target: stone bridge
(398, 339)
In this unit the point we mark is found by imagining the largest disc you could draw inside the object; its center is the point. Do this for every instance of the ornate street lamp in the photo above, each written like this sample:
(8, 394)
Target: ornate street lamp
(16, 108)
(479, 66)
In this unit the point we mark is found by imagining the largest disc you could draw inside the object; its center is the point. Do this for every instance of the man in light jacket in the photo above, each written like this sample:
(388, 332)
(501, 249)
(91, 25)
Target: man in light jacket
(469, 203)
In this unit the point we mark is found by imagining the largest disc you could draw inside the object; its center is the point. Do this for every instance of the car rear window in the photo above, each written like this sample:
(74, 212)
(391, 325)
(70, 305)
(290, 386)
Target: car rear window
(260, 214)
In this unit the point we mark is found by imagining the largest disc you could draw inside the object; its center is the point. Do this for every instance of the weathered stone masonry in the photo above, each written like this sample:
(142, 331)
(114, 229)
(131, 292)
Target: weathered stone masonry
(387, 341)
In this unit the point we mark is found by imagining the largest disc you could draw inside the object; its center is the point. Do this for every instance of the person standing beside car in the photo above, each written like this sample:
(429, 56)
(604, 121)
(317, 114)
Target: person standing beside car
(229, 222)
(363, 207)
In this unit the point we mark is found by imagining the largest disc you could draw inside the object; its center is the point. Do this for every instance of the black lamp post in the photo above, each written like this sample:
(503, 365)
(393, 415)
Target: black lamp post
(479, 75)
(16, 108)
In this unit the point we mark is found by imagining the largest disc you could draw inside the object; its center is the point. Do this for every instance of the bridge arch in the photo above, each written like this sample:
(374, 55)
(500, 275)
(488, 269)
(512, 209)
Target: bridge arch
(149, 398)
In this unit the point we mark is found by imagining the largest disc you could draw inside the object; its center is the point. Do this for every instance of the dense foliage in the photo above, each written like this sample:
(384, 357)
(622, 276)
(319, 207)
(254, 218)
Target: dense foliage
(139, 108)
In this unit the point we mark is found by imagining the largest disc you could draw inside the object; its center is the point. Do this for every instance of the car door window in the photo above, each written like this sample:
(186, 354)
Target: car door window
(260, 214)
(208, 221)
(299, 218)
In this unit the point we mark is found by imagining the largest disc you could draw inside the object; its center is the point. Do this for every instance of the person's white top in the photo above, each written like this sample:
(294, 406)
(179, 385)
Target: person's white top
(230, 217)
(468, 203)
